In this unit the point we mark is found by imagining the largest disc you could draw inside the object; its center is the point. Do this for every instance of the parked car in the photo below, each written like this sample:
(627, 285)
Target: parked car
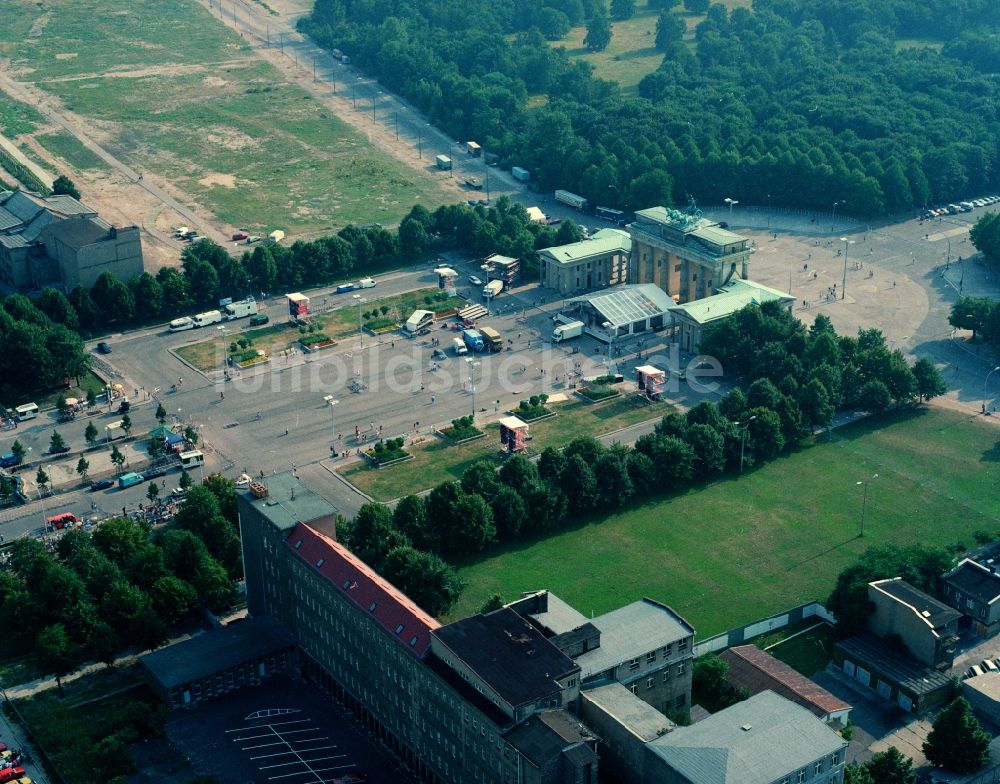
(475, 281)
(153, 473)
(55, 450)
(240, 235)
(439, 354)
(177, 492)
(260, 318)
(11, 774)
(103, 348)
(102, 484)
(243, 480)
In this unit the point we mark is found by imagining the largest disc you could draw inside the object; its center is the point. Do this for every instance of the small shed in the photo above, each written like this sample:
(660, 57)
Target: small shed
(651, 381)
(298, 305)
(513, 434)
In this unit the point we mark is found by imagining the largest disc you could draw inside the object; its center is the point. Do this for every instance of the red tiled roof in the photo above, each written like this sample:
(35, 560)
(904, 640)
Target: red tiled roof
(394, 610)
(758, 671)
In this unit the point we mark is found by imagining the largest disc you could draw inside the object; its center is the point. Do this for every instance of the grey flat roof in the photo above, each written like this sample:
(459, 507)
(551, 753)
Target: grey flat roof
(561, 617)
(631, 631)
(636, 715)
(78, 232)
(290, 501)
(214, 651)
(508, 654)
(544, 736)
(757, 741)
(8, 220)
(911, 675)
(976, 580)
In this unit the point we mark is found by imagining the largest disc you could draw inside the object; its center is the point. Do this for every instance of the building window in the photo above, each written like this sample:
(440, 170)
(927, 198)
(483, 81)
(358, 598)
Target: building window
(680, 668)
(649, 683)
(633, 664)
(682, 645)
(819, 767)
(666, 675)
(634, 688)
(650, 657)
(802, 776)
(667, 649)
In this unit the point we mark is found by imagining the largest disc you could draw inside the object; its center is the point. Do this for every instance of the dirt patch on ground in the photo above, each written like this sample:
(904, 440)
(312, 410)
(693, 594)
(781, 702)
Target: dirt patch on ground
(214, 81)
(230, 138)
(39, 25)
(66, 55)
(225, 180)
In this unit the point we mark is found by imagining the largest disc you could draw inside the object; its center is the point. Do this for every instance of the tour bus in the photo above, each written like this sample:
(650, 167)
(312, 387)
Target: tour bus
(192, 459)
(27, 411)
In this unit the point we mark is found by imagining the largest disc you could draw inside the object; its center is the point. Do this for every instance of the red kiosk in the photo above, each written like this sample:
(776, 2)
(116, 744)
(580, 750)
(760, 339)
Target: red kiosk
(513, 434)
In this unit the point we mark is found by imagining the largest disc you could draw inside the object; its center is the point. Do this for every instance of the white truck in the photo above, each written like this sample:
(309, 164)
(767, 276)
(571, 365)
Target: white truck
(365, 283)
(246, 307)
(571, 199)
(182, 323)
(572, 329)
(459, 345)
(492, 289)
(208, 317)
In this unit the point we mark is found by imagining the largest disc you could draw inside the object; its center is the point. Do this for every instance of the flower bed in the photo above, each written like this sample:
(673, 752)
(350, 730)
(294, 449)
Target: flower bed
(386, 453)
(462, 430)
(533, 408)
(317, 346)
(249, 358)
(597, 392)
(381, 325)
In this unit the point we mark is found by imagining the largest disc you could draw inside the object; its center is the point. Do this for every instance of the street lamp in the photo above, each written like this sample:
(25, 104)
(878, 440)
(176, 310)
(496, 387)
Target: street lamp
(864, 503)
(833, 220)
(769, 210)
(843, 284)
(333, 423)
(743, 443)
(472, 382)
(987, 381)
(730, 202)
(608, 326)
(361, 301)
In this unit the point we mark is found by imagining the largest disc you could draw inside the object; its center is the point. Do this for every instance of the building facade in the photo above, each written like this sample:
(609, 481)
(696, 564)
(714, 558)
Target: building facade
(454, 703)
(925, 627)
(687, 256)
(594, 263)
(974, 590)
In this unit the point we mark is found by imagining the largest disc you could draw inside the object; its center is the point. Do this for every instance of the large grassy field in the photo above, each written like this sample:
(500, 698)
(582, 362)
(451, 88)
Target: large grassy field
(180, 95)
(743, 548)
(436, 461)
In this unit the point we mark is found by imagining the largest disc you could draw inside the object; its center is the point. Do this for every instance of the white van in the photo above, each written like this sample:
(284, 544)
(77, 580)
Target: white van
(366, 283)
(179, 325)
(192, 459)
(27, 411)
(208, 317)
(459, 345)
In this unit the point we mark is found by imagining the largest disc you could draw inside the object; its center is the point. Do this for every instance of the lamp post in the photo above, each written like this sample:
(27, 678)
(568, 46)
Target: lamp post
(608, 326)
(743, 442)
(843, 284)
(360, 300)
(833, 220)
(987, 381)
(333, 423)
(731, 203)
(769, 210)
(864, 504)
(472, 382)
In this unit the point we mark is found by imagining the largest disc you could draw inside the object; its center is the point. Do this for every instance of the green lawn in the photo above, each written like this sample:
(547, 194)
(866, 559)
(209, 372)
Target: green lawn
(182, 96)
(70, 150)
(436, 461)
(809, 652)
(745, 548)
(15, 117)
(630, 55)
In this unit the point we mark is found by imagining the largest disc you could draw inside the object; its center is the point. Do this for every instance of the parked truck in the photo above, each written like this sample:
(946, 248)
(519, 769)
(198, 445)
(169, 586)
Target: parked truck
(494, 340)
(571, 200)
(443, 162)
(208, 317)
(492, 289)
(473, 149)
(459, 346)
(519, 174)
(247, 307)
(562, 332)
(474, 339)
(276, 236)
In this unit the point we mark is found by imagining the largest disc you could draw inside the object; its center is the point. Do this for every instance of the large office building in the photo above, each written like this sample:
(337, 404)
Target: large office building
(687, 256)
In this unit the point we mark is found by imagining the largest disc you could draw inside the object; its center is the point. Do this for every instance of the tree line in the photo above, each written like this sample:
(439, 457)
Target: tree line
(816, 371)
(797, 103)
(121, 586)
(208, 272)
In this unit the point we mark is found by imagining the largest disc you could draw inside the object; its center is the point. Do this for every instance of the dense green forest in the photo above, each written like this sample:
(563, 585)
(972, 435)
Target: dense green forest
(882, 104)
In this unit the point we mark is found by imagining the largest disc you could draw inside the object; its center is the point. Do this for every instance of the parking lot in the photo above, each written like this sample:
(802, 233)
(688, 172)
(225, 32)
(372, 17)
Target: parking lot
(283, 731)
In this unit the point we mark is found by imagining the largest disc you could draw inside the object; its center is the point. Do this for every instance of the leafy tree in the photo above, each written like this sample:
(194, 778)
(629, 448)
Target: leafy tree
(696, 6)
(82, 466)
(579, 484)
(957, 741)
(191, 435)
(670, 29)
(874, 397)
(623, 9)
(63, 186)
(91, 400)
(174, 289)
(614, 484)
(598, 33)
(120, 538)
(155, 449)
(891, 767)
(127, 424)
(201, 514)
(509, 513)
(161, 414)
(185, 481)
(930, 382)
(90, 434)
(84, 306)
(371, 534)
(147, 294)
(708, 446)
(113, 299)
(56, 442)
(41, 479)
(56, 653)
(425, 578)
(153, 492)
(494, 602)
(815, 404)
(971, 313)
(481, 478)
(857, 774)
(410, 517)
(172, 598)
(117, 458)
(710, 682)
(17, 449)
(54, 304)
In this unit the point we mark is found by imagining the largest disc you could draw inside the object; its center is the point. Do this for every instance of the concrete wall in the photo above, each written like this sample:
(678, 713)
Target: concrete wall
(742, 634)
(893, 617)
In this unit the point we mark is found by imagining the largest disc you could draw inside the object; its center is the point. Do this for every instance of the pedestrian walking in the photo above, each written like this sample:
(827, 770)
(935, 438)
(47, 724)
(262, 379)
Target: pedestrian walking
(433, 399)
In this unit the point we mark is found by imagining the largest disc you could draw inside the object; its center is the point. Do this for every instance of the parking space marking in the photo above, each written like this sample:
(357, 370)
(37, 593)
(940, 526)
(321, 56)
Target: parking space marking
(282, 749)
